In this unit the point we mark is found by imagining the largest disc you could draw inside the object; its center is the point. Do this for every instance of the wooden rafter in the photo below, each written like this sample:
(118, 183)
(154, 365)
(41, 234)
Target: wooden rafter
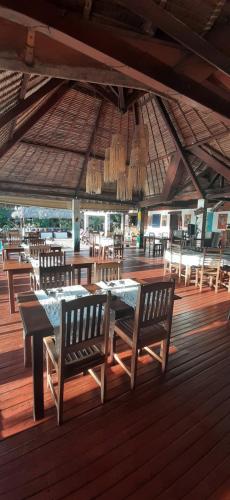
(25, 104)
(213, 162)
(90, 145)
(127, 58)
(103, 92)
(179, 32)
(173, 177)
(55, 97)
(179, 147)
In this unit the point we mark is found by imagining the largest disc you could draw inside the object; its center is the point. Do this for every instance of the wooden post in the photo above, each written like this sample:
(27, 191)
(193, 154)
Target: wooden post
(76, 225)
(203, 229)
(141, 222)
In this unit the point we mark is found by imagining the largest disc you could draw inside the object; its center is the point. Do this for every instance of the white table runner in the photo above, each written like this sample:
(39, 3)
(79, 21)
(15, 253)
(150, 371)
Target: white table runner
(193, 258)
(51, 303)
(125, 289)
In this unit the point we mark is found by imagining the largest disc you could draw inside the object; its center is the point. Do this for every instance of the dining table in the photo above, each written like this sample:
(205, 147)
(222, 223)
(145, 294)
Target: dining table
(14, 267)
(9, 248)
(191, 258)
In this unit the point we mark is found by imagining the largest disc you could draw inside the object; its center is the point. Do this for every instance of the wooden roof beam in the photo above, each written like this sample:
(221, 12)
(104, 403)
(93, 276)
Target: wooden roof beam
(53, 99)
(173, 177)
(171, 128)
(211, 161)
(126, 58)
(180, 32)
(25, 104)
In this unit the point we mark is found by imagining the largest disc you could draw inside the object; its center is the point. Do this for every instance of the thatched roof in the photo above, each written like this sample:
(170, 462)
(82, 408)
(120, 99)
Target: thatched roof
(50, 127)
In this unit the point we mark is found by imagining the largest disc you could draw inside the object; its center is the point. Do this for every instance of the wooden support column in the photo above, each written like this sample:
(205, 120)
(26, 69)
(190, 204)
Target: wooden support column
(106, 224)
(202, 204)
(141, 223)
(76, 225)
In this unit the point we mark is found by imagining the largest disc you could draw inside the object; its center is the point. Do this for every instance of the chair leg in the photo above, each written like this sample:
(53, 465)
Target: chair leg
(134, 368)
(49, 368)
(103, 381)
(201, 281)
(113, 348)
(164, 354)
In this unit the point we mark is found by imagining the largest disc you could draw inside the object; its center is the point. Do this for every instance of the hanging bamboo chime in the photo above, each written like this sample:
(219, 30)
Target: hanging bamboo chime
(124, 186)
(93, 177)
(139, 156)
(115, 159)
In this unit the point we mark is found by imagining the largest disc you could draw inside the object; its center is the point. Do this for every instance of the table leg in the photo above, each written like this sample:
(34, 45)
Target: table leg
(27, 352)
(89, 275)
(37, 363)
(11, 291)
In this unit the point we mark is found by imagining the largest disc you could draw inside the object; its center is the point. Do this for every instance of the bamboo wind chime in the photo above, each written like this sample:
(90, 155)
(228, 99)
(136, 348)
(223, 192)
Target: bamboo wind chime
(139, 157)
(130, 178)
(93, 177)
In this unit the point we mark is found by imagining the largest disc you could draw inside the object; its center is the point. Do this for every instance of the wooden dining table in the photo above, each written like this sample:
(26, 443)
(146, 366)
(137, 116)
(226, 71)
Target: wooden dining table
(9, 248)
(13, 268)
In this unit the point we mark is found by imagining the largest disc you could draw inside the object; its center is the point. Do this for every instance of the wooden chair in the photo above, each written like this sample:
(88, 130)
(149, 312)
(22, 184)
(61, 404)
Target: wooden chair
(55, 277)
(35, 241)
(82, 344)
(210, 270)
(51, 259)
(150, 327)
(35, 250)
(108, 271)
(118, 239)
(116, 252)
(174, 265)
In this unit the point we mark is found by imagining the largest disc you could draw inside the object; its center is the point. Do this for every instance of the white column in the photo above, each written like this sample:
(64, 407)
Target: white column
(85, 221)
(106, 225)
(76, 225)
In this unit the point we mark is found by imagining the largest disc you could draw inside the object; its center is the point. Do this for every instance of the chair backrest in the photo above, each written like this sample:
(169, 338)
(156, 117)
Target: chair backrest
(51, 259)
(154, 304)
(14, 235)
(212, 258)
(118, 251)
(35, 250)
(84, 321)
(118, 239)
(55, 277)
(107, 271)
(35, 241)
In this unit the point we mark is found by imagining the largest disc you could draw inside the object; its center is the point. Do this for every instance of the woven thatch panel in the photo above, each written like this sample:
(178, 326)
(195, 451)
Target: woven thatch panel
(39, 165)
(69, 124)
(194, 125)
(222, 145)
(197, 165)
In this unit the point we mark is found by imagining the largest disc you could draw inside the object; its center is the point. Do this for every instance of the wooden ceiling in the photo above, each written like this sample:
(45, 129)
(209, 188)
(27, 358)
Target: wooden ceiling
(71, 71)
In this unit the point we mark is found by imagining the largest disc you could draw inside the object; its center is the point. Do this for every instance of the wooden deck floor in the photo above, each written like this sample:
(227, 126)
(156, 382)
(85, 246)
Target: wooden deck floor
(170, 439)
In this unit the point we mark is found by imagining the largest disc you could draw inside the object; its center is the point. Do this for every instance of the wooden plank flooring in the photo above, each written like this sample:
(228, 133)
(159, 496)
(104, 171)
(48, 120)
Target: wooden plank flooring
(170, 439)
